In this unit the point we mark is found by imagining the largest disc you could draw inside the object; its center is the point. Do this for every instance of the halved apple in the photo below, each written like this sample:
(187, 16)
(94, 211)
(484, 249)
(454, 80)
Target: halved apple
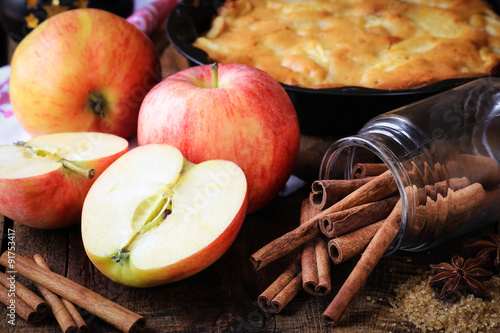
(44, 181)
(153, 217)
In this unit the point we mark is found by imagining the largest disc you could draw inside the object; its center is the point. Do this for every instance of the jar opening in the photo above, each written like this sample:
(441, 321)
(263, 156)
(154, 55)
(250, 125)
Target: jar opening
(343, 159)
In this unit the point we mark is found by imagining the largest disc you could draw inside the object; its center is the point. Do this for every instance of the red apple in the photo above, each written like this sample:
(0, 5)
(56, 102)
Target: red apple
(82, 70)
(153, 217)
(44, 181)
(239, 114)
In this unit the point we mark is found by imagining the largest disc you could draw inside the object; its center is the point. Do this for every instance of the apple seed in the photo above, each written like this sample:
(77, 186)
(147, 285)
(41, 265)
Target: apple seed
(166, 213)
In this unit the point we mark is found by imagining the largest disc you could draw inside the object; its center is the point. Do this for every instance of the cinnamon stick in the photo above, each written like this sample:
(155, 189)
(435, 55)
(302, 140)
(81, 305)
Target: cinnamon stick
(431, 212)
(315, 260)
(441, 218)
(416, 230)
(442, 187)
(348, 220)
(371, 256)
(29, 297)
(60, 312)
(285, 244)
(378, 188)
(283, 289)
(16, 305)
(464, 205)
(64, 308)
(325, 193)
(75, 314)
(352, 244)
(420, 173)
(114, 314)
(362, 170)
(476, 168)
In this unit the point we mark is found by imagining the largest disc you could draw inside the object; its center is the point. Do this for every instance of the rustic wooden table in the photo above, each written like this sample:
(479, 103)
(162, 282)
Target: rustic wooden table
(223, 297)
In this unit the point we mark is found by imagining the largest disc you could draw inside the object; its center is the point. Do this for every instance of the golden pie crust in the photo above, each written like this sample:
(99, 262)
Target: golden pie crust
(384, 44)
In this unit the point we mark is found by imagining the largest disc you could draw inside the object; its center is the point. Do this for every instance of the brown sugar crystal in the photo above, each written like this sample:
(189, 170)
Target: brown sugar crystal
(417, 302)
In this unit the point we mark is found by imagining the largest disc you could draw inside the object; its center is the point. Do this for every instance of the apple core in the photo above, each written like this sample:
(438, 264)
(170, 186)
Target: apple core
(34, 152)
(150, 213)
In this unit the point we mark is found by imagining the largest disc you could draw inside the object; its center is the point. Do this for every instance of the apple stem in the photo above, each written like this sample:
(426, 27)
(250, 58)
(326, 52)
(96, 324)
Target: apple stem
(96, 103)
(215, 75)
(22, 144)
(89, 173)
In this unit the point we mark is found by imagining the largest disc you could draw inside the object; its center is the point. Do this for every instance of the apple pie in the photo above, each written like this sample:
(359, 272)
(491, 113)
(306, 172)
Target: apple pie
(384, 44)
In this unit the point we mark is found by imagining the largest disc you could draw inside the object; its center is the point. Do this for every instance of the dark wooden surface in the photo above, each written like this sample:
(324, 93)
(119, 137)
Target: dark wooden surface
(223, 297)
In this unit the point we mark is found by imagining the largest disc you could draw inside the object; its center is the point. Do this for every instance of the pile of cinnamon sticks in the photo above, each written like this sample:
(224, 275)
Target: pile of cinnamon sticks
(59, 297)
(21, 301)
(343, 219)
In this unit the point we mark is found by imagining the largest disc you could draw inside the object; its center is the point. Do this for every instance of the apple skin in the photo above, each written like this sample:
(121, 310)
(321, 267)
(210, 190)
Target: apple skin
(248, 119)
(51, 200)
(76, 52)
(113, 197)
(132, 276)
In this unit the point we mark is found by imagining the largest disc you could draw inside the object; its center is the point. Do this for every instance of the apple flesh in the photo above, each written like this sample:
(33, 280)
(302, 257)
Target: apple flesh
(245, 116)
(153, 217)
(44, 181)
(82, 70)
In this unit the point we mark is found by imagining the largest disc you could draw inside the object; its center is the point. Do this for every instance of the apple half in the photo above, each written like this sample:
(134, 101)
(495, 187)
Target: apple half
(153, 217)
(44, 181)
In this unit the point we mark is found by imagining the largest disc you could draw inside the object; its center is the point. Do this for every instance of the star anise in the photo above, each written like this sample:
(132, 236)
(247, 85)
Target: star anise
(461, 273)
(489, 250)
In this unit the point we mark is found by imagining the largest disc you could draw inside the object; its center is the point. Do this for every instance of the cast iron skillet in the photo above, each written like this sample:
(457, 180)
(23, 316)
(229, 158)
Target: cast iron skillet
(331, 111)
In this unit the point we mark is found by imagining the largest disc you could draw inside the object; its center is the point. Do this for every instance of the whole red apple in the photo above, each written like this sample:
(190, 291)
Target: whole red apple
(82, 70)
(236, 113)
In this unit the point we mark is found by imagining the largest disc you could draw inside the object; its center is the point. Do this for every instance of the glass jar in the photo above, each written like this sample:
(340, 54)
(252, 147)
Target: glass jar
(444, 154)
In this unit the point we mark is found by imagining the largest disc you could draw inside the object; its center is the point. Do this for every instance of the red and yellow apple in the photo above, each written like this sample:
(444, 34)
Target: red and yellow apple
(236, 113)
(44, 181)
(153, 217)
(82, 70)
